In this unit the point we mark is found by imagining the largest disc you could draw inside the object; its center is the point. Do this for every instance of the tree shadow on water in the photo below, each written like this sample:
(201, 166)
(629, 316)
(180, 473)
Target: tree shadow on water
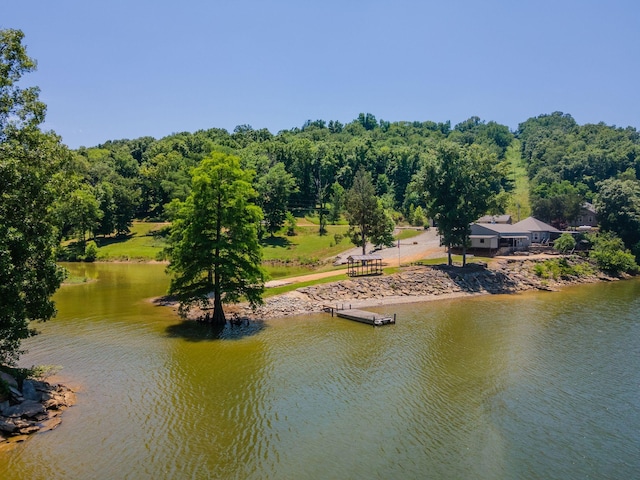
(194, 331)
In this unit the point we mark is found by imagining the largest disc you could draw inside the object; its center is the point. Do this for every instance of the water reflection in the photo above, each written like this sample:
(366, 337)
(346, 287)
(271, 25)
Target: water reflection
(201, 331)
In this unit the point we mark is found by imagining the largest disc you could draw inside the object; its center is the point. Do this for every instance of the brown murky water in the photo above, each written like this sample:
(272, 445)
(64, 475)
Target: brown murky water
(543, 385)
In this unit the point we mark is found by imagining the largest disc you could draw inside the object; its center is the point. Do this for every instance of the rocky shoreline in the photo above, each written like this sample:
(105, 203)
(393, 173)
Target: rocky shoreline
(35, 407)
(417, 284)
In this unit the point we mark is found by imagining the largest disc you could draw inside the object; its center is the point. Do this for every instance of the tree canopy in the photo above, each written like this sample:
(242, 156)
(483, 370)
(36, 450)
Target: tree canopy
(213, 246)
(30, 163)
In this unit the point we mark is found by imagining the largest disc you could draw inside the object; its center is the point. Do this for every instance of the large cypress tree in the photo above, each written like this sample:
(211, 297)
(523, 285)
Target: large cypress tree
(213, 247)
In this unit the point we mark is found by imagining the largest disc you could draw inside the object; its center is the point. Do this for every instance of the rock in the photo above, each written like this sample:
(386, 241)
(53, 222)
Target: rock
(25, 409)
(29, 391)
(7, 426)
(9, 379)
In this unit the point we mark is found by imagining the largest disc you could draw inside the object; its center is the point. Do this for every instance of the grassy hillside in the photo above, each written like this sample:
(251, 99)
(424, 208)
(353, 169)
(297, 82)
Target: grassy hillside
(519, 207)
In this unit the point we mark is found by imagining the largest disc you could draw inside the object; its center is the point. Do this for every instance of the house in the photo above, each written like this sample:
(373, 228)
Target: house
(493, 236)
(495, 219)
(587, 217)
(540, 232)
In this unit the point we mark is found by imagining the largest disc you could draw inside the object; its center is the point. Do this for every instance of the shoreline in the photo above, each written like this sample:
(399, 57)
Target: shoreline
(414, 285)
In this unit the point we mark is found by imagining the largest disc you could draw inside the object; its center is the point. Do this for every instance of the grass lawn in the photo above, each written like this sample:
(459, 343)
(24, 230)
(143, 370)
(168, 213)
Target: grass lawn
(140, 245)
(306, 247)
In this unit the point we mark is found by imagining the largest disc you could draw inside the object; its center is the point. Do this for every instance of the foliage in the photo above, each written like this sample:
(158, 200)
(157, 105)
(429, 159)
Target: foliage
(618, 206)
(213, 247)
(562, 268)
(291, 224)
(567, 162)
(368, 220)
(274, 189)
(610, 254)
(565, 243)
(460, 184)
(29, 163)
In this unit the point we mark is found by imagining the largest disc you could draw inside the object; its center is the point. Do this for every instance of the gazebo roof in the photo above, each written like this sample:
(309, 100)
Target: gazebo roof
(357, 258)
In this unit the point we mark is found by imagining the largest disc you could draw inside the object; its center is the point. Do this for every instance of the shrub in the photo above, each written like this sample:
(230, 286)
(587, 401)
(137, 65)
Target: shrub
(611, 256)
(90, 252)
(565, 243)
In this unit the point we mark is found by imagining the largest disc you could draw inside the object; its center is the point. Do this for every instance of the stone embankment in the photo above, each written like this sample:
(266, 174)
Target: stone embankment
(418, 283)
(34, 408)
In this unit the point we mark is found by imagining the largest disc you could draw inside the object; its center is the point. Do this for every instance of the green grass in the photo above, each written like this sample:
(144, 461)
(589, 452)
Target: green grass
(520, 194)
(306, 247)
(270, 292)
(140, 245)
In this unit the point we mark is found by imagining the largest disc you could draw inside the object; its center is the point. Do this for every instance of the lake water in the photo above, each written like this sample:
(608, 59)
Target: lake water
(533, 386)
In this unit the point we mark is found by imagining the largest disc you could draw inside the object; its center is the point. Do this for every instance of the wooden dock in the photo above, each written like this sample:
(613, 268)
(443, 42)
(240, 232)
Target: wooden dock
(361, 316)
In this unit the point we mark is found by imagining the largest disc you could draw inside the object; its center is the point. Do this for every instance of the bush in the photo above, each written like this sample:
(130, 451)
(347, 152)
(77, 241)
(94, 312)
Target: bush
(565, 243)
(610, 255)
(90, 252)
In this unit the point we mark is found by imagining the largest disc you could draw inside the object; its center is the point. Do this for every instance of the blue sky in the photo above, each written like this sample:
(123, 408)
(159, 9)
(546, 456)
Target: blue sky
(125, 69)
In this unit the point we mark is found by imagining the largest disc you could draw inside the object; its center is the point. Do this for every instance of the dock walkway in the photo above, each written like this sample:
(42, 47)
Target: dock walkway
(362, 316)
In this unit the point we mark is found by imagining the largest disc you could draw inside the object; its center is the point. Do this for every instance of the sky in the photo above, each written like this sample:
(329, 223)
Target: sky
(132, 68)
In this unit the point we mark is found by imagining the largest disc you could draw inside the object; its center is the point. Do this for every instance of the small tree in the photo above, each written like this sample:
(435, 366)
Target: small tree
(566, 243)
(213, 246)
(367, 219)
(274, 189)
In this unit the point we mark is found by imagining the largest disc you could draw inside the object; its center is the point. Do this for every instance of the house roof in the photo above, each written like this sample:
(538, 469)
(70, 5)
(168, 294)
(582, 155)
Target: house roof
(494, 219)
(503, 229)
(534, 225)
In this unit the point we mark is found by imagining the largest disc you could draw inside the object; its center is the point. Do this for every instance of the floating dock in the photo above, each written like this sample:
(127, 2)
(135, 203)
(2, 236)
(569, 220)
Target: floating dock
(361, 316)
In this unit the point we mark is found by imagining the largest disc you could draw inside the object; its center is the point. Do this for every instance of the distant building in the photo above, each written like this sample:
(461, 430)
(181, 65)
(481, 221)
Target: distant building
(588, 217)
(504, 219)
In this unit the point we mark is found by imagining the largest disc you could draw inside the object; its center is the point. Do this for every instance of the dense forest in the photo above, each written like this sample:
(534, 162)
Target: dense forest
(310, 167)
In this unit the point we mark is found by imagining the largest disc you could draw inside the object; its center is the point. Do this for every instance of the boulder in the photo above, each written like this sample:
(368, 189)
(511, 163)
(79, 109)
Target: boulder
(30, 392)
(9, 379)
(26, 409)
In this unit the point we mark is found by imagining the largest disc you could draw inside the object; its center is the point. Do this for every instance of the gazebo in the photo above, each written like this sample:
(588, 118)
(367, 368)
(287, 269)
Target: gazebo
(359, 265)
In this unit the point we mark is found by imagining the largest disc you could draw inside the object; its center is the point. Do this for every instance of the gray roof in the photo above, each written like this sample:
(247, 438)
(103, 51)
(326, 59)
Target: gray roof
(364, 257)
(494, 219)
(504, 229)
(534, 225)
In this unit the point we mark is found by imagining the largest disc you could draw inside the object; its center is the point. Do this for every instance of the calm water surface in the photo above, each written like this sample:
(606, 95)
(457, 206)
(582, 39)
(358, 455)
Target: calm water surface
(543, 385)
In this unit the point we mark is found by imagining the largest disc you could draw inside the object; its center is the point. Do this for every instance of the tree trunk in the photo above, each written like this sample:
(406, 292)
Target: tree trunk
(364, 241)
(464, 256)
(218, 318)
(450, 260)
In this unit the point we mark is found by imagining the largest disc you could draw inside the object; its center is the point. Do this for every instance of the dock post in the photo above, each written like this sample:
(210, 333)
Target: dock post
(394, 318)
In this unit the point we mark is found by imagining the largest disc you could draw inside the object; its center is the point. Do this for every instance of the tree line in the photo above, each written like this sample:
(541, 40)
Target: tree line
(374, 172)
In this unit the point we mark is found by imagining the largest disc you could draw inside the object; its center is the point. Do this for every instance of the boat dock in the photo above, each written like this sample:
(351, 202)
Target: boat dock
(361, 316)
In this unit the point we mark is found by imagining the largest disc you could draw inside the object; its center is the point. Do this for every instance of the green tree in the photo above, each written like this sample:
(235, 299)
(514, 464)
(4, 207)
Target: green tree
(618, 207)
(367, 219)
(336, 202)
(274, 189)
(213, 245)
(610, 254)
(29, 163)
(460, 185)
(565, 243)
